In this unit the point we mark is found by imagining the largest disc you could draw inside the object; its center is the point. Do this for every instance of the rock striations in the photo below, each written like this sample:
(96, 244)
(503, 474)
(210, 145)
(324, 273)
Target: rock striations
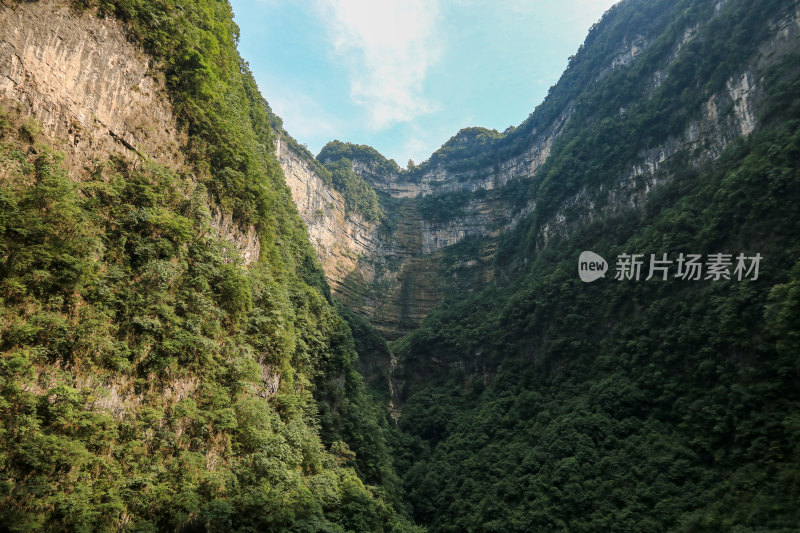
(394, 273)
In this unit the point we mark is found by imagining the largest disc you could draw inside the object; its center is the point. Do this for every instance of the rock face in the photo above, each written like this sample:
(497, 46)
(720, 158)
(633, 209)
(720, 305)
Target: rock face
(726, 115)
(440, 180)
(84, 82)
(364, 264)
(244, 239)
(92, 93)
(340, 240)
(394, 275)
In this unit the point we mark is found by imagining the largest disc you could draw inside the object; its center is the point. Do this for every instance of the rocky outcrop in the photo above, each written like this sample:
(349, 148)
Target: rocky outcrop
(363, 264)
(440, 180)
(341, 239)
(630, 52)
(725, 116)
(244, 239)
(396, 274)
(388, 272)
(85, 83)
(93, 93)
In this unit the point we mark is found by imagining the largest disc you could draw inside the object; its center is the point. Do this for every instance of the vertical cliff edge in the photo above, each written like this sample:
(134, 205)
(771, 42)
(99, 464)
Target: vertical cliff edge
(170, 358)
(482, 183)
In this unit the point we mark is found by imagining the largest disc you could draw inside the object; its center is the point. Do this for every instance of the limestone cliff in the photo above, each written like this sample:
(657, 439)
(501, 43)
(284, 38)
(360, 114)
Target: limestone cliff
(440, 179)
(474, 188)
(94, 93)
(366, 265)
(85, 83)
(169, 359)
(723, 117)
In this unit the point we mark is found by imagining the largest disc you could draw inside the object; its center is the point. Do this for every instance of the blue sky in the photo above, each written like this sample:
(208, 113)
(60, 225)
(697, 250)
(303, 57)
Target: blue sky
(405, 75)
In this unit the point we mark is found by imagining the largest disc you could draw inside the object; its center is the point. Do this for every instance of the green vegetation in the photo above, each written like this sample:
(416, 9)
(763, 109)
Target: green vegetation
(335, 166)
(447, 206)
(300, 149)
(149, 380)
(725, 44)
(369, 156)
(600, 142)
(623, 405)
(545, 404)
(470, 148)
(359, 196)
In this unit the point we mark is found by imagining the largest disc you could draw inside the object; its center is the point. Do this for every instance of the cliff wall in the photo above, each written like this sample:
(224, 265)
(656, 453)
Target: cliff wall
(395, 274)
(94, 93)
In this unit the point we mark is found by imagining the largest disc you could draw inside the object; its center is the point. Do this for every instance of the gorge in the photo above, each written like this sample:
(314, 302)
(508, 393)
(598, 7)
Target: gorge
(206, 327)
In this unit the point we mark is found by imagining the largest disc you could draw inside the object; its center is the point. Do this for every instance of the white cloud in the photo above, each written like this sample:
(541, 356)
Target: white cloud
(388, 47)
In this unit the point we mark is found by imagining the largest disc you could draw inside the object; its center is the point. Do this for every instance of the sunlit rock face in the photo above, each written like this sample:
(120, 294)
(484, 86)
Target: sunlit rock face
(394, 273)
(93, 92)
(86, 83)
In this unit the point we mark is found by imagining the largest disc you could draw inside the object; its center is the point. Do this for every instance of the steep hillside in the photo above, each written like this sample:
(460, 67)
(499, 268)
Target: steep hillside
(628, 86)
(169, 356)
(546, 403)
(189, 298)
(533, 401)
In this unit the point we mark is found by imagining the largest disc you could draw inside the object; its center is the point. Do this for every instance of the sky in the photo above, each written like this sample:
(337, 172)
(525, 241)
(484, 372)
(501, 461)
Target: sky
(404, 76)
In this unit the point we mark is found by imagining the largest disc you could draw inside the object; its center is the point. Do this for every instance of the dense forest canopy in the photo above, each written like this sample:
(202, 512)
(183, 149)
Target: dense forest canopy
(544, 403)
(236, 403)
(150, 380)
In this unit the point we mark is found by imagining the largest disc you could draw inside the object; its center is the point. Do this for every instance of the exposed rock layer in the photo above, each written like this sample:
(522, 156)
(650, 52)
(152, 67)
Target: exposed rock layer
(93, 94)
(395, 277)
(84, 82)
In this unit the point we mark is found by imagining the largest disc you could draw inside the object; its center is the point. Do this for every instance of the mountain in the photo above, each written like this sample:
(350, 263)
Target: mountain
(631, 85)
(203, 326)
(528, 400)
(170, 357)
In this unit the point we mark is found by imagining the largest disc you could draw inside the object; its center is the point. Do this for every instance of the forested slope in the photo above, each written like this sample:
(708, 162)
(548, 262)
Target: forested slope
(171, 357)
(543, 403)
(151, 379)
